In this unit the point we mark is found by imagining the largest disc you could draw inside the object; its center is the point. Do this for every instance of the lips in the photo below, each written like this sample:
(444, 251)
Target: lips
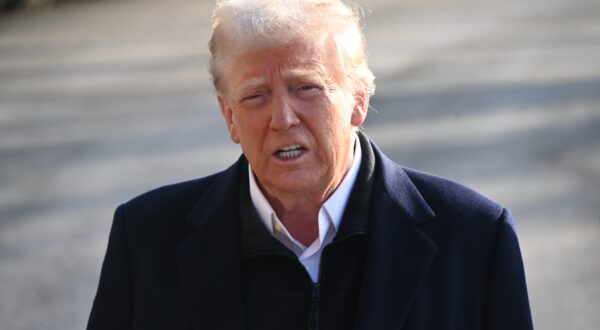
(290, 152)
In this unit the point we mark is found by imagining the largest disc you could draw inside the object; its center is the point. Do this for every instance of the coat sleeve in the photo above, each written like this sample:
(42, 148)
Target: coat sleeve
(507, 303)
(113, 303)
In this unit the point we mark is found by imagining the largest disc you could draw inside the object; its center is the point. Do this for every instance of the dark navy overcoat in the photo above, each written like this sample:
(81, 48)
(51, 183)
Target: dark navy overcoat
(440, 257)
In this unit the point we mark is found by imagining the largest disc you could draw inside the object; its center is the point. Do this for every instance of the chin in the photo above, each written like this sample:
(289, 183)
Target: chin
(294, 181)
(295, 184)
(292, 186)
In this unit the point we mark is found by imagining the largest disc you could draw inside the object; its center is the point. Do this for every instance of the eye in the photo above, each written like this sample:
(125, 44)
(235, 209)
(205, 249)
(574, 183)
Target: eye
(251, 97)
(305, 88)
(308, 90)
(253, 100)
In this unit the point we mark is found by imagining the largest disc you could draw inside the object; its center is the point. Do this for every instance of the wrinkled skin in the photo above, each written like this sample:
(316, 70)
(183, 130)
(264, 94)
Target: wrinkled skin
(294, 120)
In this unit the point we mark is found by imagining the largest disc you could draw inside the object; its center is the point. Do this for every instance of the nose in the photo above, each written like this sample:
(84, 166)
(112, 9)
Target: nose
(283, 114)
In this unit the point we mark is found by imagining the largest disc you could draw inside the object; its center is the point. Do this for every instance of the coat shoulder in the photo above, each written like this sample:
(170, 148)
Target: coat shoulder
(168, 205)
(451, 199)
(176, 193)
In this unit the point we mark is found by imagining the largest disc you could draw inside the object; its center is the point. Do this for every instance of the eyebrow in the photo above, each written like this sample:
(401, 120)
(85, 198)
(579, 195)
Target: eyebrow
(254, 83)
(251, 84)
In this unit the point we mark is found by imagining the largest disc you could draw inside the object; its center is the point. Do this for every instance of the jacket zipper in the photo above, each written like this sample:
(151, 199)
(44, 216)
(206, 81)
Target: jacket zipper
(314, 318)
(314, 315)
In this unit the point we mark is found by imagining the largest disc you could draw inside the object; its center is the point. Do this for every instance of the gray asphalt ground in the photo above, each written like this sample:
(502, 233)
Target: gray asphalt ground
(102, 100)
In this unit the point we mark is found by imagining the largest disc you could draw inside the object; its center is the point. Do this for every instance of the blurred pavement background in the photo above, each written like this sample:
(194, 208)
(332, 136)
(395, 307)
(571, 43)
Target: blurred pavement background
(103, 100)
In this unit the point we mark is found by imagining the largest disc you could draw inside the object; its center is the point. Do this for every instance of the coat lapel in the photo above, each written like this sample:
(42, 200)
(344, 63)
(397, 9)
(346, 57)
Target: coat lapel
(399, 254)
(209, 261)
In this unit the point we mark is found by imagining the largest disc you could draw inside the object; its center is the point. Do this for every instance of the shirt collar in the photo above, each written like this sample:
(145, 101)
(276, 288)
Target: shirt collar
(333, 208)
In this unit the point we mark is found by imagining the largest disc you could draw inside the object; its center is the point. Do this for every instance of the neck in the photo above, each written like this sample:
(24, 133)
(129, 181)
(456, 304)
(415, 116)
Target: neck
(300, 218)
(299, 212)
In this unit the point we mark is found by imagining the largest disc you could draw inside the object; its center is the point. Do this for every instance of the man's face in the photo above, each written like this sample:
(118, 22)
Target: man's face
(294, 121)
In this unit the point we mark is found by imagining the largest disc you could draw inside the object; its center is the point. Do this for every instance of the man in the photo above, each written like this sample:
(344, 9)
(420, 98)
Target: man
(313, 227)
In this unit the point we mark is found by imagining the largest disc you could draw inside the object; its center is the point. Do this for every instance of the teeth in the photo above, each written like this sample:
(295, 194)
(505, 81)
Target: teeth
(291, 151)
(292, 147)
(289, 154)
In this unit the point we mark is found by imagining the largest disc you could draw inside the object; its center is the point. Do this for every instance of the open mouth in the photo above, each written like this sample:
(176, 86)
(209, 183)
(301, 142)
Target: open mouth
(290, 152)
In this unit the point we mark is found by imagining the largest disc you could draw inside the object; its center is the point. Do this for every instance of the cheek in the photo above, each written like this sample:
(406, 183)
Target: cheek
(251, 129)
(240, 122)
(329, 130)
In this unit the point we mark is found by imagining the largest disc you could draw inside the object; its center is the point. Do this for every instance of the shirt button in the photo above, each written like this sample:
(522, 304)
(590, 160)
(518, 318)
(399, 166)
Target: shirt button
(277, 228)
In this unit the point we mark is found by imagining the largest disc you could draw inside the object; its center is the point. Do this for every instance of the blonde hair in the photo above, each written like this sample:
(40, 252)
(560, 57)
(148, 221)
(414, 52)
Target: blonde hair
(241, 26)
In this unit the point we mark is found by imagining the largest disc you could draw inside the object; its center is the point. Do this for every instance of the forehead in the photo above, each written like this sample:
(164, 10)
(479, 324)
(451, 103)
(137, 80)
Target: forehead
(254, 78)
(289, 61)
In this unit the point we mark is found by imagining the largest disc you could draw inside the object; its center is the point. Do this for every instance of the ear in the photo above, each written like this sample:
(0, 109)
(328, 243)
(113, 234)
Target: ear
(229, 118)
(361, 106)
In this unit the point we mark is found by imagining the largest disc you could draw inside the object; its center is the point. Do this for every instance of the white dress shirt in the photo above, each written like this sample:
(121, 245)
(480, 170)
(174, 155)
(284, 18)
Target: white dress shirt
(330, 216)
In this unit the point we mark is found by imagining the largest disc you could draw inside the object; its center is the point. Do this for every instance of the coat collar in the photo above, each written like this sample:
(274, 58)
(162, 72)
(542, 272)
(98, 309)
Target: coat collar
(399, 254)
(398, 259)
